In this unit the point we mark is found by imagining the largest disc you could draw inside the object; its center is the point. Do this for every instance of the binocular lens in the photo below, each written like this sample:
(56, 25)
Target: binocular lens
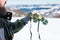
(45, 22)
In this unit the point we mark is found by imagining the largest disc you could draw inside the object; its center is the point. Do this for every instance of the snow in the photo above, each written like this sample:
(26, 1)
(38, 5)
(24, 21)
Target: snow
(51, 31)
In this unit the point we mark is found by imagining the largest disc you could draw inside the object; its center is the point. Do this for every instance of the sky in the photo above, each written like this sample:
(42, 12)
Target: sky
(9, 2)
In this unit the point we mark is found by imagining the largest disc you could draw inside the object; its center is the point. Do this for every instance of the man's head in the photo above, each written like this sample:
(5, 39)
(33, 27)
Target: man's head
(2, 8)
(2, 3)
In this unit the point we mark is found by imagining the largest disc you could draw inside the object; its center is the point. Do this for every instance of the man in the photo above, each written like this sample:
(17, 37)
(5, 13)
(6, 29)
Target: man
(7, 28)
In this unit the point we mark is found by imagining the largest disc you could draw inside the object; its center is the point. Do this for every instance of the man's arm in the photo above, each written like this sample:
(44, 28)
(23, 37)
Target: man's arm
(19, 24)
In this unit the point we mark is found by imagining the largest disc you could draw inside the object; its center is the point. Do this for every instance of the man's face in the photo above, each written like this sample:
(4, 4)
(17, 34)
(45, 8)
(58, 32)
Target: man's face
(2, 3)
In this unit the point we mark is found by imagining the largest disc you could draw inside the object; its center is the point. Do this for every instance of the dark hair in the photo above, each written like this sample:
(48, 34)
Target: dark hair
(2, 11)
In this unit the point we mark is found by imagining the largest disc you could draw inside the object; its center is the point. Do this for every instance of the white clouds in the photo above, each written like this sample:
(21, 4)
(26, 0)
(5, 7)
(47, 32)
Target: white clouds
(32, 2)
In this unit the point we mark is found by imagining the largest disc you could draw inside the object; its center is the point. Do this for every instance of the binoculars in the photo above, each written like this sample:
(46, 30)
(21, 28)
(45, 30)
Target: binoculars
(37, 17)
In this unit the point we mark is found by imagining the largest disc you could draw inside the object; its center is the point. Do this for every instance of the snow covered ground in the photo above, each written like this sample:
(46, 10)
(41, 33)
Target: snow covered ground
(51, 31)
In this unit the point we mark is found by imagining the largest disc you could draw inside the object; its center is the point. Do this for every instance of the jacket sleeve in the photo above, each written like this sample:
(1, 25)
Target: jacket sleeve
(19, 24)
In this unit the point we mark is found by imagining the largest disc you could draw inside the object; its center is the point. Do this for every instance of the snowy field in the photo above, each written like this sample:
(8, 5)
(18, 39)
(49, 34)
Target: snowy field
(51, 31)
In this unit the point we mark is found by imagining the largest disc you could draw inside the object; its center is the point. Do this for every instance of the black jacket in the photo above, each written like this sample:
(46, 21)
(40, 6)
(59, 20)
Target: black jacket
(11, 28)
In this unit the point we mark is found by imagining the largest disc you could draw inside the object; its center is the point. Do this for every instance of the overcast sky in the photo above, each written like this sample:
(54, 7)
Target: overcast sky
(33, 2)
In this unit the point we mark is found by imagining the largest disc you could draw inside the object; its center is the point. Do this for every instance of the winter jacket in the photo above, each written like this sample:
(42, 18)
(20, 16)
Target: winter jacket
(10, 28)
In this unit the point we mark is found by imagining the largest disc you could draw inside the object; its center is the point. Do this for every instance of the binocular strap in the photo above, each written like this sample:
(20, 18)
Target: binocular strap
(30, 31)
(38, 30)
